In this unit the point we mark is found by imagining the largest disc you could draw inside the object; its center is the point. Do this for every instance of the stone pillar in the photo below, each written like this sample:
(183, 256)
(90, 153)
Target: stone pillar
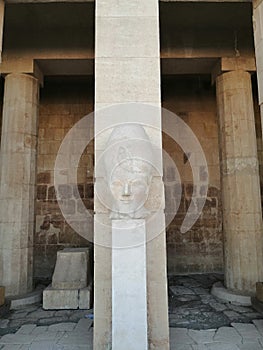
(17, 188)
(127, 69)
(242, 220)
(258, 40)
(2, 12)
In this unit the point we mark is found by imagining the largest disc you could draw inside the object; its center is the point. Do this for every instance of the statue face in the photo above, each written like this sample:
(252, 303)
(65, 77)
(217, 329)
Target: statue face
(129, 190)
(128, 169)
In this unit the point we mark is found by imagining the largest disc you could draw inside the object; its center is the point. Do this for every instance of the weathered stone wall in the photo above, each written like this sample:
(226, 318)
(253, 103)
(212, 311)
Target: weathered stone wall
(62, 104)
(201, 248)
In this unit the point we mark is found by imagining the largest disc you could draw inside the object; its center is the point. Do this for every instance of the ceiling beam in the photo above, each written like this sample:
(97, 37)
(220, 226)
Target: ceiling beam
(84, 1)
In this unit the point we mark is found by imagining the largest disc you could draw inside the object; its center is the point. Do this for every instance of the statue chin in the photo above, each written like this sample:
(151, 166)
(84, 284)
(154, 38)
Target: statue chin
(141, 213)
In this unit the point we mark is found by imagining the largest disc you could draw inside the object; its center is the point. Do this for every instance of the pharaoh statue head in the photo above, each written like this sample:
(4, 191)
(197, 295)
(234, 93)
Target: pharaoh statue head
(128, 165)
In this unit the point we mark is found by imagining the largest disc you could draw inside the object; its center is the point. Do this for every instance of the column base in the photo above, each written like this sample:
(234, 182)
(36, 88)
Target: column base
(25, 299)
(221, 292)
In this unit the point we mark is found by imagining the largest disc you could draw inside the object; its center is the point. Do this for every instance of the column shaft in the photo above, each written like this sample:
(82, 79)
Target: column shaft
(258, 40)
(242, 221)
(2, 13)
(127, 69)
(17, 188)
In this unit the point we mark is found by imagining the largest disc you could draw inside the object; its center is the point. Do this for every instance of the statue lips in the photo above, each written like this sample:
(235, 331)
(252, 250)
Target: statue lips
(126, 200)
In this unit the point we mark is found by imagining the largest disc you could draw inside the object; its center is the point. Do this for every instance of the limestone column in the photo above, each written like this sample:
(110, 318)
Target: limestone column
(17, 188)
(258, 40)
(2, 12)
(242, 220)
(127, 69)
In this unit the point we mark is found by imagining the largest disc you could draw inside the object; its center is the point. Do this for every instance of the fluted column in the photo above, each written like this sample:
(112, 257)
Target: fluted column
(242, 220)
(17, 188)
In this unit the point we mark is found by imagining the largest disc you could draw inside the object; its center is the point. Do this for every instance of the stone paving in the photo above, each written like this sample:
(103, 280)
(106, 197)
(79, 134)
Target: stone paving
(240, 336)
(66, 336)
(192, 306)
(77, 336)
(198, 321)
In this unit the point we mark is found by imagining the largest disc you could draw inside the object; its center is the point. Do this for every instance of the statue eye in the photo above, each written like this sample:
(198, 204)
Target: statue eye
(139, 183)
(116, 184)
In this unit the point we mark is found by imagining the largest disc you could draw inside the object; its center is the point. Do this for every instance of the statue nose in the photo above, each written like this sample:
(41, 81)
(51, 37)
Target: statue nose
(126, 190)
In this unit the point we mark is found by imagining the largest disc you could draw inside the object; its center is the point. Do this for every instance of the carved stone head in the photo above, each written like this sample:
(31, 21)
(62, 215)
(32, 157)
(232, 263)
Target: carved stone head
(128, 165)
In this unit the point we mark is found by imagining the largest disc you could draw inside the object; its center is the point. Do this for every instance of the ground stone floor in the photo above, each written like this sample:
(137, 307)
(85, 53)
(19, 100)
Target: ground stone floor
(198, 321)
(77, 336)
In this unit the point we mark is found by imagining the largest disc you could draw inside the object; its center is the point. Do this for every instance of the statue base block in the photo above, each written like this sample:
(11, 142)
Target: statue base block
(129, 292)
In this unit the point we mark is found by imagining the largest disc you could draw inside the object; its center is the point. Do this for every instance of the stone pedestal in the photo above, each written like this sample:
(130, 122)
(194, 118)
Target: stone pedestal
(72, 269)
(17, 188)
(60, 299)
(242, 220)
(129, 295)
(221, 292)
(71, 282)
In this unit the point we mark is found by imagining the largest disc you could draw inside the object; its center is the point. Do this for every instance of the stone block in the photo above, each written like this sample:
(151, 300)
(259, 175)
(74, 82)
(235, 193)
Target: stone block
(109, 114)
(132, 43)
(26, 329)
(247, 331)
(129, 301)
(25, 299)
(60, 298)
(83, 325)
(15, 339)
(202, 336)
(62, 327)
(75, 341)
(228, 335)
(259, 291)
(114, 8)
(85, 298)
(130, 77)
(180, 336)
(2, 296)
(72, 269)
